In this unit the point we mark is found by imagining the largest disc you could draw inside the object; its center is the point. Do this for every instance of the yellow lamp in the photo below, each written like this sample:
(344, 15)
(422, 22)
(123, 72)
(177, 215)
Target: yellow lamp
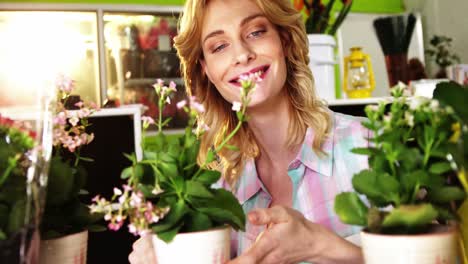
(358, 74)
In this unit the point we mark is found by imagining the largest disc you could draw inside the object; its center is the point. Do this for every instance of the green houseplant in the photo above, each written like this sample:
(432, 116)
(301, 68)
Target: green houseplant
(319, 17)
(441, 53)
(454, 95)
(15, 143)
(411, 186)
(169, 193)
(66, 216)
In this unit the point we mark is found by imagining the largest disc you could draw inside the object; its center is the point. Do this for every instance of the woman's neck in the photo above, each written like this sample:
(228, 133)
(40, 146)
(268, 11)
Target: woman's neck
(270, 127)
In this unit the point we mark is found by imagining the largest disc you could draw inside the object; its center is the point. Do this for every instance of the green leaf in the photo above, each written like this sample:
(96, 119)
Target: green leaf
(176, 213)
(454, 95)
(239, 115)
(138, 171)
(168, 235)
(350, 209)
(446, 194)
(166, 121)
(86, 159)
(410, 180)
(174, 149)
(192, 152)
(381, 189)
(160, 141)
(126, 173)
(445, 214)
(210, 156)
(223, 208)
(150, 155)
(440, 167)
(363, 151)
(231, 147)
(179, 184)
(168, 169)
(17, 217)
(131, 157)
(410, 159)
(2, 235)
(410, 216)
(197, 189)
(209, 177)
(60, 182)
(223, 216)
(197, 221)
(146, 189)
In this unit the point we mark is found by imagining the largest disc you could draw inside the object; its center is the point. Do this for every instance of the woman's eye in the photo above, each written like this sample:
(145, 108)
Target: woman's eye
(257, 33)
(219, 48)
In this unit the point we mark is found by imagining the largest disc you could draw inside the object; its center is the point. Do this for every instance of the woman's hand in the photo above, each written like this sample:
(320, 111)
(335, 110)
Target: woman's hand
(290, 238)
(143, 252)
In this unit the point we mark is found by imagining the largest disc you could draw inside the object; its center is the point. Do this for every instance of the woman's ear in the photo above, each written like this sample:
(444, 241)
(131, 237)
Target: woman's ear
(203, 67)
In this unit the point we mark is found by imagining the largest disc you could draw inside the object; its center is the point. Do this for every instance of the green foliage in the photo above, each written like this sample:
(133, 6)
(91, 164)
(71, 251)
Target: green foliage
(411, 181)
(440, 51)
(187, 189)
(168, 191)
(64, 211)
(15, 141)
(454, 97)
(320, 18)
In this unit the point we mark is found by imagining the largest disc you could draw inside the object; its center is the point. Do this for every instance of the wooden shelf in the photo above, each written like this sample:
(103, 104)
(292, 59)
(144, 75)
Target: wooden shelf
(363, 101)
(151, 81)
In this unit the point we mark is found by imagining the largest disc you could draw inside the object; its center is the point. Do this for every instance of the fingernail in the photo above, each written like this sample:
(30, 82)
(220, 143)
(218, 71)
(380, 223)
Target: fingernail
(253, 217)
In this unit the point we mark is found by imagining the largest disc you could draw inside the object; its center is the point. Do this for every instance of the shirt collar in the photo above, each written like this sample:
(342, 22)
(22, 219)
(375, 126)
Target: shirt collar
(322, 164)
(249, 183)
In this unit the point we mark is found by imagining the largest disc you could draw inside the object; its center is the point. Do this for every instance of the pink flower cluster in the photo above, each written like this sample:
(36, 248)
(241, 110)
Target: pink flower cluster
(164, 91)
(132, 204)
(69, 132)
(23, 127)
(194, 105)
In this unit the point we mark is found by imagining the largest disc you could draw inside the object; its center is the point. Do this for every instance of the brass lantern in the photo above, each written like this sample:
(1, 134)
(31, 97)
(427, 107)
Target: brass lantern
(358, 74)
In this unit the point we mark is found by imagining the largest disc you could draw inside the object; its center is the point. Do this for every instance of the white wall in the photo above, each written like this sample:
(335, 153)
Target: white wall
(444, 17)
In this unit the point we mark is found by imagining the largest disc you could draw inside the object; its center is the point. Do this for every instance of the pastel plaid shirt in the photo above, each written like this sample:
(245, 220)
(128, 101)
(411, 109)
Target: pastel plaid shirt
(316, 180)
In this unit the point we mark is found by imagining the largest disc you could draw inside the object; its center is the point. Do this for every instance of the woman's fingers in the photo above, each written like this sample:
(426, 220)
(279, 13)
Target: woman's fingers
(143, 251)
(274, 215)
(257, 252)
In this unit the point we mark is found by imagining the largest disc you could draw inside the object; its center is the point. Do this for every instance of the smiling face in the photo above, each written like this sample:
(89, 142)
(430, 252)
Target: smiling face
(238, 39)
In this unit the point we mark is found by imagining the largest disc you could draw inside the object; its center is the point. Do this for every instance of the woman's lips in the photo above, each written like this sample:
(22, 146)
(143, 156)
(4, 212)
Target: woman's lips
(262, 69)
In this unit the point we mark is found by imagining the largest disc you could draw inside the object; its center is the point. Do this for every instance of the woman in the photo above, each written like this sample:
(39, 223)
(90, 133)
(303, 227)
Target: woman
(294, 153)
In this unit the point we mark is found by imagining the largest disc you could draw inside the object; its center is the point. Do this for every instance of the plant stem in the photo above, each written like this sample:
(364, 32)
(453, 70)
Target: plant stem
(220, 147)
(427, 152)
(8, 170)
(160, 106)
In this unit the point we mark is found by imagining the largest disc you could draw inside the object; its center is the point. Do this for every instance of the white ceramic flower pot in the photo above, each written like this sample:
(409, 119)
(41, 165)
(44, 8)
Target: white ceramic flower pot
(205, 247)
(439, 246)
(322, 64)
(71, 249)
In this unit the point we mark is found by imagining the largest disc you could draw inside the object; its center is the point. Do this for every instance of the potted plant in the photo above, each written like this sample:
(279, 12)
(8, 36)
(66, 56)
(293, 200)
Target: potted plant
(411, 189)
(454, 95)
(321, 25)
(66, 220)
(172, 196)
(16, 141)
(441, 53)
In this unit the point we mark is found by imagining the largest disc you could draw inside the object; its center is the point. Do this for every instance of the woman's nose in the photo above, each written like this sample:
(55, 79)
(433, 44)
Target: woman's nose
(244, 54)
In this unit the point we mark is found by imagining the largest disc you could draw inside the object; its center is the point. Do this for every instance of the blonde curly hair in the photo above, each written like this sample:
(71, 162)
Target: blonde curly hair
(307, 111)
